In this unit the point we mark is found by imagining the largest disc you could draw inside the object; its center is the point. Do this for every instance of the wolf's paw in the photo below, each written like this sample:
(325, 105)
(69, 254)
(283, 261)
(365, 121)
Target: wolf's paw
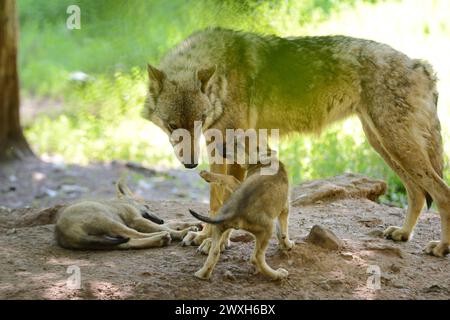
(180, 226)
(206, 246)
(396, 234)
(193, 238)
(206, 175)
(256, 269)
(437, 249)
(180, 235)
(202, 275)
(280, 274)
(165, 239)
(286, 245)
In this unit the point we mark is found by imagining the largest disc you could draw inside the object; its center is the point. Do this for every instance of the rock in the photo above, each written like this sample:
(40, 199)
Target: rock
(394, 268)
(345, 186)
(324, 238)
(347, 256)
(435, 288)
(11, 231)
(385, 249)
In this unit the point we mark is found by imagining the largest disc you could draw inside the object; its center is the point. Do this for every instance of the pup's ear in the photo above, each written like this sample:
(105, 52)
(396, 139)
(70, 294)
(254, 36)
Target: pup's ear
(156, 78)
(122, 189)
(204, 75)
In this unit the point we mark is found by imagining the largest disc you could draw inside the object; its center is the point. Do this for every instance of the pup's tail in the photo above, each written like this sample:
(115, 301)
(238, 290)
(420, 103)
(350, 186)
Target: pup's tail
(217, 220)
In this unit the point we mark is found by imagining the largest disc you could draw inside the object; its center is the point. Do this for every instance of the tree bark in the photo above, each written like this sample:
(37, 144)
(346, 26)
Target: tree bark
(13, 144)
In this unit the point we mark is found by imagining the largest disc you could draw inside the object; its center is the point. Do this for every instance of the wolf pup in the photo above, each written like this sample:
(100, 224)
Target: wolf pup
(122, 223)
(253, 206)
(237, 80)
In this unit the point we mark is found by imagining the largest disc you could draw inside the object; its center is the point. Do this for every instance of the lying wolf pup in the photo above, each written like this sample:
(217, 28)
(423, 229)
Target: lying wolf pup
(122, 223)
(253, 206)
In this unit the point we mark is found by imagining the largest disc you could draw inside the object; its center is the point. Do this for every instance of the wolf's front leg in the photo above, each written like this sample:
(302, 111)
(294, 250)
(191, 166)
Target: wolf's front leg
(217, 237)
(217, 194)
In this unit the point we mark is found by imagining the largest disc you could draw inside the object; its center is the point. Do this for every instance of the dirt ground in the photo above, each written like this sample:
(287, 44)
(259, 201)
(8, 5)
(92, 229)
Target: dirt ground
(32, 266)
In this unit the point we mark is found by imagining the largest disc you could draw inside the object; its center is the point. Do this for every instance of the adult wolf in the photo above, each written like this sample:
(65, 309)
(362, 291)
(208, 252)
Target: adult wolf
(229, 79)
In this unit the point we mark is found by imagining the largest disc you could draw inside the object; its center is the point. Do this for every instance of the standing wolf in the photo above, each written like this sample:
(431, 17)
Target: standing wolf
(228, 79)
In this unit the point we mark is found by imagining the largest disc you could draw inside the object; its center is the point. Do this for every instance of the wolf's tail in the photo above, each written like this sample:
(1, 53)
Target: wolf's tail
(435, 149)
(217, 220)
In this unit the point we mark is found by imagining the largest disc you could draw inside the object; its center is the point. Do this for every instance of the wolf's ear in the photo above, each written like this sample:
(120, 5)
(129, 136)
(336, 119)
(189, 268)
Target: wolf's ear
(204, 75)
(122, 189)
(156, 79)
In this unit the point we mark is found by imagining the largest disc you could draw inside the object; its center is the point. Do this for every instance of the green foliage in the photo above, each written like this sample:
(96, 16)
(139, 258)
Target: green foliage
(100, 119)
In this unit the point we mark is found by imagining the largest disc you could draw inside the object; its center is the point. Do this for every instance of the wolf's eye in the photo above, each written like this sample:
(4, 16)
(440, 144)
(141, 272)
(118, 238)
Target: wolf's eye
(172, 126)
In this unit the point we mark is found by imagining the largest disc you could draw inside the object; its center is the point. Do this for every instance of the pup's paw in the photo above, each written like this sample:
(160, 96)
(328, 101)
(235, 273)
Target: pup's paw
(286, 245)
(396, 234)
(165, 239)
(205, 246)
(281, 274)
(256, 269)
(206, 175)
(437, 249)
(193, 238)
(202, 275)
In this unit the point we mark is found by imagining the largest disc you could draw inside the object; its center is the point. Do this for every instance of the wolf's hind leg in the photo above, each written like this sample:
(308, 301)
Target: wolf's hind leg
(282, 231)
(179, 225)
(144, 225)
(259, 257)
(205, 272)
(416, 196)
(411, 148)
(159, 239)
(114, 228)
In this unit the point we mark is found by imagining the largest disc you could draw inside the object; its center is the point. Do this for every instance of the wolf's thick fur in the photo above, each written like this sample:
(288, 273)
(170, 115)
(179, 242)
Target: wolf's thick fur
(122, 223)
(230, 79)
(253, 206)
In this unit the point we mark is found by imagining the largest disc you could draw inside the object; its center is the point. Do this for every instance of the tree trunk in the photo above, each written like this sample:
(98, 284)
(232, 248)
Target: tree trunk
(12, 141)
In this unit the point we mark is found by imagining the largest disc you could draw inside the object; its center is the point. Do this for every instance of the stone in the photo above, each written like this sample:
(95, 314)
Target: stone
(348, 185)
(324, 238)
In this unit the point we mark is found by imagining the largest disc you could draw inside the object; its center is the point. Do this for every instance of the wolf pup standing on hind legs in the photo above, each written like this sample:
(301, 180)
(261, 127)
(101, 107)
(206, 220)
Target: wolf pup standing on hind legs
(229, 80)
(253, 206)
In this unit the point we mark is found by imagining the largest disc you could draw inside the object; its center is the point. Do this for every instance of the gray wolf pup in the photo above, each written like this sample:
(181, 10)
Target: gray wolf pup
(122, 223)
(253, 206)
(229, 79)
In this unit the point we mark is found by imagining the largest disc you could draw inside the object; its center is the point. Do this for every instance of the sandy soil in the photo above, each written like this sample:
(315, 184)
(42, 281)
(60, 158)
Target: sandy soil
(32, 266)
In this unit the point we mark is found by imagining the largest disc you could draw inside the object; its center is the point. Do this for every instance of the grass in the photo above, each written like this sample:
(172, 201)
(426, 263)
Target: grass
(100, 120)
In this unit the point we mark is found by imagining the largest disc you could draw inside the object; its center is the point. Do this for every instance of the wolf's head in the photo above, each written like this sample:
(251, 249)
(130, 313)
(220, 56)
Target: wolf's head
(183, 101)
